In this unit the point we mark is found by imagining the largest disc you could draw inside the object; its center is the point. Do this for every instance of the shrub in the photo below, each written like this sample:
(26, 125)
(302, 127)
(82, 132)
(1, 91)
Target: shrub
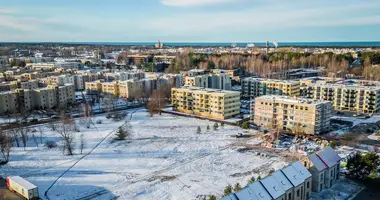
(245, 125)
(271, 171)
(50, 144)
(121, 134)
(227, 190)
(208, 127)
(222, 124)
(199, 130)
(216, 126)
(251, 180)
(333, 144)
(237, 187)
(212, 197)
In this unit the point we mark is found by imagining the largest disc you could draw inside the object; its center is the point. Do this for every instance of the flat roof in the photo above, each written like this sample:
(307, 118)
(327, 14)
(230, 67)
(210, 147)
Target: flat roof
(291, 99)
(24, 183)
(209, 90)
(270, 80)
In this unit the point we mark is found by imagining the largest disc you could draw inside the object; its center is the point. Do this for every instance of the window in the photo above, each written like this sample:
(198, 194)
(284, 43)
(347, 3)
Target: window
(298, 193)
(308, 185)
(290, 196)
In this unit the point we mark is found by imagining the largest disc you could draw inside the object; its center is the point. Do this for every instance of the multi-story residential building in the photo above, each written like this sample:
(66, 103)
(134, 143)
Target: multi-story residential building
(212, 103)
(110, 88)
(292, 114)
(25, 99)
(93, 87)
(175, 80)
(125, 75)
(216, 81)
(233, 74)
(65, 94)
(79, 82)
(193, 72)
(255, 87)
(362, 99)
(293, 182)
(135, 89)
(8, 102)
(45, 98)
(324, 166)
(31, 84)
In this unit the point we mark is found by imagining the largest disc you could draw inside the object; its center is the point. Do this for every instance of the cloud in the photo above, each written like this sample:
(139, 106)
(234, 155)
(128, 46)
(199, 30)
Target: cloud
(185, 3)
(6, 11)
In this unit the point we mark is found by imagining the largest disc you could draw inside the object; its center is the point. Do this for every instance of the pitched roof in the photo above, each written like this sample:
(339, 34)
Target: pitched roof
(317, 162)
(293, 176)
(329, 156)
(272, 186)
(245, 194)
(282, 180)
(230, 197)
(258, 189)
(303, 172)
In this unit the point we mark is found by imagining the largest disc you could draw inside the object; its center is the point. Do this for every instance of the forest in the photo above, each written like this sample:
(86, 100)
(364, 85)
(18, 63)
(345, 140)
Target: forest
(263, 64)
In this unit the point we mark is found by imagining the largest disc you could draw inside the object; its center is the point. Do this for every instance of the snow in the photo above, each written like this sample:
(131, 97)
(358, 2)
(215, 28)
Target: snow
(164, 159)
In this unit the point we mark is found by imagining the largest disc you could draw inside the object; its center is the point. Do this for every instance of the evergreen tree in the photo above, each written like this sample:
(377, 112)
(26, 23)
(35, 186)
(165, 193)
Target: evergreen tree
(251, 180)
(212, 197)
(245, 125)
(121, 134)
(199, 130)
(216, 126)
(222, 124)
(227, 190)
(259, 178)
(208, 127)
(237, 187)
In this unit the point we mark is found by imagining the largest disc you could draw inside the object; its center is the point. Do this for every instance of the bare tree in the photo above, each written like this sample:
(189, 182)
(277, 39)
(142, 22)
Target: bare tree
(35, 139)
(157, 101)
(65, 128)
(5, 146)
(24, 133)
(41, 130)
(82, 143)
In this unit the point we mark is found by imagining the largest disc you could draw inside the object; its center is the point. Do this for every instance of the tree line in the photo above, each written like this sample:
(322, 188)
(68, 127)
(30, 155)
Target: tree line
(265, 64)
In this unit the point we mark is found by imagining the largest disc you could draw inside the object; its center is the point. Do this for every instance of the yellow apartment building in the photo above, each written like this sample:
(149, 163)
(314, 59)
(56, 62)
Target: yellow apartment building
(95, 86)
(361, 99)
(211, 103)
(255, 87)
(111, 88)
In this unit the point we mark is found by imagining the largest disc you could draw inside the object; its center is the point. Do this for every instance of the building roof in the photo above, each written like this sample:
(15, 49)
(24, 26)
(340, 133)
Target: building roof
(282, 180)
(245, 194)
(230, 197)
(304, 173)
(329, 156)
(279, 98)
(273, 187)
(24, 183)
(293, 176)
(258, 189)
(317, 162)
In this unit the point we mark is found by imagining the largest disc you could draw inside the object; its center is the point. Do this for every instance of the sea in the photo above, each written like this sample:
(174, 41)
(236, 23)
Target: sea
(224, 44)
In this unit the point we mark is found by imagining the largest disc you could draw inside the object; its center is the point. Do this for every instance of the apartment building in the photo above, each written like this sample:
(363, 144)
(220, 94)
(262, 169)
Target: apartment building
(292, 114)
(175, 80)
(110, 88)
(31, 84)
(216, 81)
(212, 103)
(92, 87)
(135, 89)
(125, 75)
(255, 87)
(8, 102)
(362, 99)
(324, 166)
(193, 72)
(293, 182)
(45, 98)
(232, 73)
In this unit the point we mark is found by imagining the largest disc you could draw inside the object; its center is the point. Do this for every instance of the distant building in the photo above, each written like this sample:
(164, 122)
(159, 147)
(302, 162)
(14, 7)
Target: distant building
(255, 87)
(292, 114)
(215, 81)
(212, 103)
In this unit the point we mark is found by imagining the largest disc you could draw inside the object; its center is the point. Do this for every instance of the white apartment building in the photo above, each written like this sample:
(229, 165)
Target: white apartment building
(8, 102)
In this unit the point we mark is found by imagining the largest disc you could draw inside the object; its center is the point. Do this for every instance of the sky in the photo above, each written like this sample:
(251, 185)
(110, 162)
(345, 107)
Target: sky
(189, 20)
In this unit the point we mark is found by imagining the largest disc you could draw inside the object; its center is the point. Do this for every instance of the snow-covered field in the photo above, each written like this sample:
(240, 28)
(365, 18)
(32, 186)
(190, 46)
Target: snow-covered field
(164, 159)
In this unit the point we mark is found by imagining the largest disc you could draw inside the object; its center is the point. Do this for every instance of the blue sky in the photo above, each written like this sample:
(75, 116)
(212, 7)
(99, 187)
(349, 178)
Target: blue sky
(189, 20)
